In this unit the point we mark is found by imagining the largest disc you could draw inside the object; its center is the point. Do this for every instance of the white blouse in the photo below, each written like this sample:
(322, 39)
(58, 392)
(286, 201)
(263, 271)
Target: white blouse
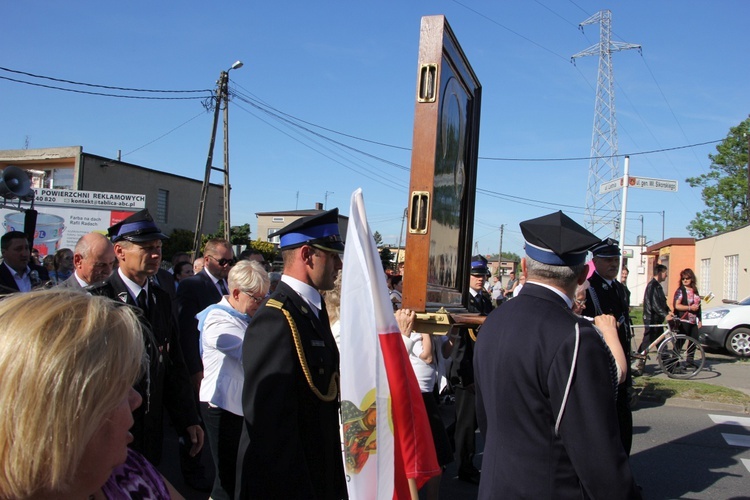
(223, 377)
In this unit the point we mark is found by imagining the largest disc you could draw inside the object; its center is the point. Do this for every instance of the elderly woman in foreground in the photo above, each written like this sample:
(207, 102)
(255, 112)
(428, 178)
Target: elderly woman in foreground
(222, 328)
(67, 364)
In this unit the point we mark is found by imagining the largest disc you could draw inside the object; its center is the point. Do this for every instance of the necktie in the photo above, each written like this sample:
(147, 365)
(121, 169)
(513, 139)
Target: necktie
(143, 300)
(223, 288)
(323, 314)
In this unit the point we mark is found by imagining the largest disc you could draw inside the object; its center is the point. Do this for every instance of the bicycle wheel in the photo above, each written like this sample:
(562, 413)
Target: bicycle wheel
(680, 356)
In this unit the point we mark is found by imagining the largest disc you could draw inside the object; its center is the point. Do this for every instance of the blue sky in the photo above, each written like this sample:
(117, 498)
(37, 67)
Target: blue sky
(351, 67)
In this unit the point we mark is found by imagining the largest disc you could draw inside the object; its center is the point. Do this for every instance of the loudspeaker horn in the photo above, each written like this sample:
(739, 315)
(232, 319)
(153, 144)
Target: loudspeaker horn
(14, 182)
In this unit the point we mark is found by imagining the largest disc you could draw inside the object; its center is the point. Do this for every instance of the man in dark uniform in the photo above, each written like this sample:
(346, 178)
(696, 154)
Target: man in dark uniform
(291, 446)
(461, 374)
(608, 296)
(137, 244)
(546, 381)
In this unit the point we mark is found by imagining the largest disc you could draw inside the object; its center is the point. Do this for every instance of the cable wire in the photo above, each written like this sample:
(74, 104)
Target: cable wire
(102, 86)
(101, 93)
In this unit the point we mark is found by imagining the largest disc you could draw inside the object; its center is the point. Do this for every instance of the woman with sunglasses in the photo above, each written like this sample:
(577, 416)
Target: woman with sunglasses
(222, 328)
(687, 306)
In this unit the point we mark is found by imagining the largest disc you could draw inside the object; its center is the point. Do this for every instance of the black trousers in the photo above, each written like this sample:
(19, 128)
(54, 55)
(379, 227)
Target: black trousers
(465, 430)
(649, 335)
(223, 429)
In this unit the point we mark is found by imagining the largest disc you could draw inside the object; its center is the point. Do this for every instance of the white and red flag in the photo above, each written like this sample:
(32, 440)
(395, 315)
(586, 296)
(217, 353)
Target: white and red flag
(387, 437)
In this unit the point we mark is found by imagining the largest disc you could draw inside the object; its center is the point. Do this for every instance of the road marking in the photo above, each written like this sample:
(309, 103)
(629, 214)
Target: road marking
(731, 420)
(747, 463)
(736, 439)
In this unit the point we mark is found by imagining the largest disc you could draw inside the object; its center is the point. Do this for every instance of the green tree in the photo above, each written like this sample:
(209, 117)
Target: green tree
(724, 187)
(266, 248)
(386, 257)
(378, 238)
(180, 240)
(238, 235)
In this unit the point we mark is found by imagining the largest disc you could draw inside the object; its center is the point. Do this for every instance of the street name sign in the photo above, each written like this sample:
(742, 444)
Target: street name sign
(649, 183)
(639, 182)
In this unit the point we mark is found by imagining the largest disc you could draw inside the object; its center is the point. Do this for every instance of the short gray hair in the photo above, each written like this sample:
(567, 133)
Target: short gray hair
(249, 276)
(562, 276)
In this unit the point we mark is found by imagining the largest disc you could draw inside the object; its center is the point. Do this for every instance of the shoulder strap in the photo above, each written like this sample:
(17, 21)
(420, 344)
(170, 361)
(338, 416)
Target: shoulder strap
(595, 300)
(333, 389)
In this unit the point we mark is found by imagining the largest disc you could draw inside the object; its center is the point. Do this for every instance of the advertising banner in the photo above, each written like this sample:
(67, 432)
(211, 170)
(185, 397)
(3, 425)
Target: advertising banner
(66, 215)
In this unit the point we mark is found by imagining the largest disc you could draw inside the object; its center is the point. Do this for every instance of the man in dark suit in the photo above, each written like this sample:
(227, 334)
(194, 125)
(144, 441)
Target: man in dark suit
(606, 295)
(460, 346)
(546, 381)
(93, 260)
(197, 293)
(17, 272)
(194, 295)
(291, 447)
(137, 245)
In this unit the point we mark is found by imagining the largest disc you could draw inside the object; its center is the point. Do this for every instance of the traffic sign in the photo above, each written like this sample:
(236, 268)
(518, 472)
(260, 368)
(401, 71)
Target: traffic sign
(650, 183)
(608, 186)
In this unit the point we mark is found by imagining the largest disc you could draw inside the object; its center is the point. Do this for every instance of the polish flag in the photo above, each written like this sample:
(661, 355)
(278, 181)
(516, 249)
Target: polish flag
(387, 437)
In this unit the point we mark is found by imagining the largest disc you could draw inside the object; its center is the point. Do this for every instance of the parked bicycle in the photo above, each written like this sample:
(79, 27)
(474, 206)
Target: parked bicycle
(679, 356)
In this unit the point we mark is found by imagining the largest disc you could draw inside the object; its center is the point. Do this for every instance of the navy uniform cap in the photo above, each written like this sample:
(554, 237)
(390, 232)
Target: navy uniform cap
(319, 231)
(557, 240)
(138, 228)
(606, 249)
(478, 266)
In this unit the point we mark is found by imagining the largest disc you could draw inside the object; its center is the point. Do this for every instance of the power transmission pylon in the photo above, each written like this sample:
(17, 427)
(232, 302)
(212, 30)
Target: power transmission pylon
(602, 210)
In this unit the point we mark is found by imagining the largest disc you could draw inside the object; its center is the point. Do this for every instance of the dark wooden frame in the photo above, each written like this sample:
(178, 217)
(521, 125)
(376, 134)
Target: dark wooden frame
(442, 189)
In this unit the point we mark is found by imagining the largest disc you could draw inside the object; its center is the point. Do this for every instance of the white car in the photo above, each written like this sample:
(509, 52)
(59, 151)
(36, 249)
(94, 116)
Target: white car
(728, 326)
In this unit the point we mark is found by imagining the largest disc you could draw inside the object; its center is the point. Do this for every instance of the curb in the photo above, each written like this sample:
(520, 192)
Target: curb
(695, 403)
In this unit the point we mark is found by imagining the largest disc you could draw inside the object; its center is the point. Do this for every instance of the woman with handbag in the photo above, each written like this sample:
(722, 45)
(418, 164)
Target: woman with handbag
(687, 306)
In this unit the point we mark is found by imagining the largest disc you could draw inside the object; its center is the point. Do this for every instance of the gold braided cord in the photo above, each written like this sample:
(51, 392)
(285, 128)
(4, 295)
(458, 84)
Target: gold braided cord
(333, 387)
(472, 334)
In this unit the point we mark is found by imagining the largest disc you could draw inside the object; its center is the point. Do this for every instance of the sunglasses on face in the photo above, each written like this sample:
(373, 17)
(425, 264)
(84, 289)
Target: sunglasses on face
(223, 262)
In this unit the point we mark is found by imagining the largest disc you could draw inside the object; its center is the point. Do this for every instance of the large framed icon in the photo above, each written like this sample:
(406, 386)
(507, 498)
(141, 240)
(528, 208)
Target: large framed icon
(442, 188)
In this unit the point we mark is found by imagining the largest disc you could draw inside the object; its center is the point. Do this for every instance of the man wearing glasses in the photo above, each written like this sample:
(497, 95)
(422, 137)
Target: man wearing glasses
(291, 447)
(194, 295)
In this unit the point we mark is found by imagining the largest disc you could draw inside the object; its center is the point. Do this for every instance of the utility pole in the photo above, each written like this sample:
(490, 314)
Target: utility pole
(623, 213)
(403, 219)
(601, 209)
(500, 253)
(325, 201)
(222, 95)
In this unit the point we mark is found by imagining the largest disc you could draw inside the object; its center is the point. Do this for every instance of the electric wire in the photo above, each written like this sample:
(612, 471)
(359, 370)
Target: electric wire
(103, 94)
(103, 86)
(166, 134)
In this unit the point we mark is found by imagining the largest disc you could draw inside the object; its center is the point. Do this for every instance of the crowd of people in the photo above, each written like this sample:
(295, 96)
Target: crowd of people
(247, 360)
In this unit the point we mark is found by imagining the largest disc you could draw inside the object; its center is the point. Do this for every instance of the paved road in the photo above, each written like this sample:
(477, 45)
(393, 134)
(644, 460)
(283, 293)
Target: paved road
(691, 453)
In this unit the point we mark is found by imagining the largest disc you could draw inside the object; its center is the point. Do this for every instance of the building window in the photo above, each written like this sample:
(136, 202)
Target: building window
(162, 206)
(705, 276)
(274, 239)
(731, 274)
